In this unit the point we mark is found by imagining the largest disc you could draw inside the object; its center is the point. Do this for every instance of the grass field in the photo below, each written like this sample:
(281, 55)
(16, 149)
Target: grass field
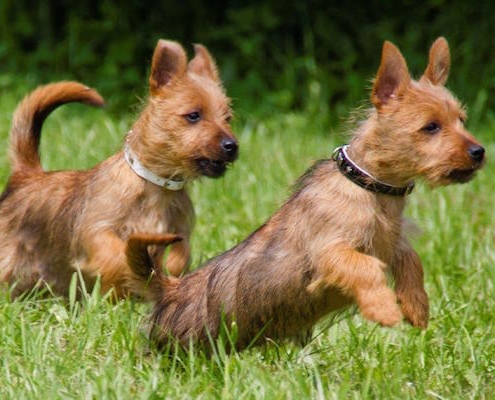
(51, 349)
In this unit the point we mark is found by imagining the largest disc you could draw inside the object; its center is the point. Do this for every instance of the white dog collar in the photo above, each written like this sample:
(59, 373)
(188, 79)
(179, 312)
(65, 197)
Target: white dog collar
(150, 176)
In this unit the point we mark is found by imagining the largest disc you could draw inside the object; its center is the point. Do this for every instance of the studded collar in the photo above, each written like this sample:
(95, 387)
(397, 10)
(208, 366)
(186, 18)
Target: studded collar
(363, 178)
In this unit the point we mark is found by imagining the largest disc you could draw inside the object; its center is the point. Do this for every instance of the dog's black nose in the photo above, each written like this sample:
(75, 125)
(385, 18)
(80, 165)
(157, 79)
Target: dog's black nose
(476, 152)
(229, 146)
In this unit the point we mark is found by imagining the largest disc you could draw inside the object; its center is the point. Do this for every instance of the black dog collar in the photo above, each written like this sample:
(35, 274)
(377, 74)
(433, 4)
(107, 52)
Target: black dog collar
(364, 179)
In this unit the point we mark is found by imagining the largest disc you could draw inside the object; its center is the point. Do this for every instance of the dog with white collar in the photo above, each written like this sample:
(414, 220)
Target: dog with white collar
(56, 223)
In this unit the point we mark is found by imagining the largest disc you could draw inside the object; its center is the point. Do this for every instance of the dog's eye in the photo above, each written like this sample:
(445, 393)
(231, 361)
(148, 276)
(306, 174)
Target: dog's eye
(228, 118)
(463, 120)
(193, 117)
(432, 127)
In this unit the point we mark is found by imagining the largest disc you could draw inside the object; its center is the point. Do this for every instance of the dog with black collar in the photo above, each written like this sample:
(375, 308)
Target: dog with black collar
(334, 241)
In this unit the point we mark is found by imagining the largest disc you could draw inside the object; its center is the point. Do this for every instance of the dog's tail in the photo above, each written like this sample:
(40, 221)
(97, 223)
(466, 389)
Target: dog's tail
(146, 280)
(31, 113)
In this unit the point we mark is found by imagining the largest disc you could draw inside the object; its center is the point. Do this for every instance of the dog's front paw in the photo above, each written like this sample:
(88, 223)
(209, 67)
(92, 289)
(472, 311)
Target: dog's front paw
(380, 306)
(414, 305)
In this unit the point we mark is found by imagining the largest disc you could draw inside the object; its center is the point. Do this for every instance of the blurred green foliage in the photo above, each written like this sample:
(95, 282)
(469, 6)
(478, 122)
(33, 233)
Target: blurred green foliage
(274, 56)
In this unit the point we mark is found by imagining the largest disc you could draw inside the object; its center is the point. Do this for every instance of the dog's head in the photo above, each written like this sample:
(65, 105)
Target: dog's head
(187, 119)
(419, 126)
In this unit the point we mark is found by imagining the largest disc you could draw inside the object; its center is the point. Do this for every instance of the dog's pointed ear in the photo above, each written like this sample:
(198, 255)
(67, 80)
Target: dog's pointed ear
(392, 77)
(438, 67)
(169, 61)
(203, 63)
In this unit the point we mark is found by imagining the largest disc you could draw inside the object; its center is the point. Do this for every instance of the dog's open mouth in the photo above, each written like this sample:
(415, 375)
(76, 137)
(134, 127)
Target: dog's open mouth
(462, 175)
(212, 168)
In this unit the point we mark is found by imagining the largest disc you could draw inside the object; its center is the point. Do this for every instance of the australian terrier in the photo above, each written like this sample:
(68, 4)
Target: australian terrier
(55, 223)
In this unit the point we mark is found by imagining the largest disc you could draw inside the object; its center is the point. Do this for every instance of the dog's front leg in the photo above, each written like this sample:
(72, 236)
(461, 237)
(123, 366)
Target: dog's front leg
(362, 277)
(409, 286)
(107, 260)
(177, 259)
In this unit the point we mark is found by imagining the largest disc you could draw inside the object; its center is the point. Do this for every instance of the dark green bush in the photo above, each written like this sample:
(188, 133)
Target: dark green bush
(274, 56)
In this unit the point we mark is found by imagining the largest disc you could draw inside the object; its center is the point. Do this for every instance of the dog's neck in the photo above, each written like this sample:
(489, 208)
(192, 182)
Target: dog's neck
(363, 178)
(372, 152)
(140, 170)
(135, 162)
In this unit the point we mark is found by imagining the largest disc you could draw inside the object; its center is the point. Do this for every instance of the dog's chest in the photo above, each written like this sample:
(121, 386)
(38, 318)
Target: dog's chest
(385, 231)
(156, 213)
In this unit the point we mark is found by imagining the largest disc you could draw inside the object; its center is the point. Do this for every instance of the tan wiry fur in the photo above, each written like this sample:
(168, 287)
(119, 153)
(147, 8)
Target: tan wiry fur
(333, 242)
(55, 223)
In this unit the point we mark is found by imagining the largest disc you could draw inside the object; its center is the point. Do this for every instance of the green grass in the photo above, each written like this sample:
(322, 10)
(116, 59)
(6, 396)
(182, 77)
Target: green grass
(61, 350)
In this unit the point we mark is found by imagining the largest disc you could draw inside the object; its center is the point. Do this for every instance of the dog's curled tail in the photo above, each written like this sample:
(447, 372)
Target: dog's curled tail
(31, 113)
(146, 280)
